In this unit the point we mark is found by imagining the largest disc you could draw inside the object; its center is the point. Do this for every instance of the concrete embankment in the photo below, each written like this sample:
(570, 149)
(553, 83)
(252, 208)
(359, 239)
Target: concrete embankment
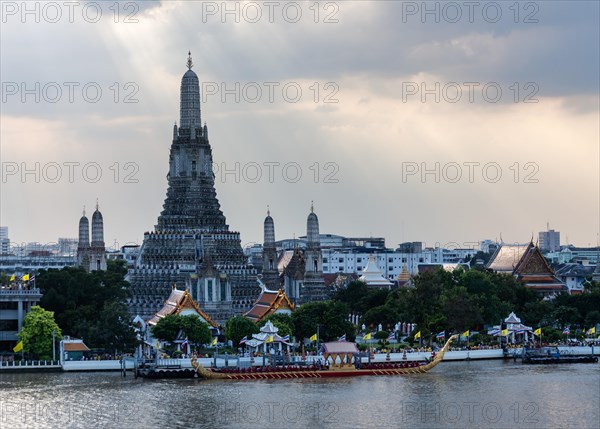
(116, 365)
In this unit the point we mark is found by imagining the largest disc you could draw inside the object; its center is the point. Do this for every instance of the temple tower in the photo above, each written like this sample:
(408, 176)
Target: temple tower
(191, 244)
(91, 257)
(314, 285)
(83, 246)
(269, 272)
(97, 248)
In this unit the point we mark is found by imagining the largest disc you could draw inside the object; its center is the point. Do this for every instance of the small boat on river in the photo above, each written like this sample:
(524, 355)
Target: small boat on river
(550, 355)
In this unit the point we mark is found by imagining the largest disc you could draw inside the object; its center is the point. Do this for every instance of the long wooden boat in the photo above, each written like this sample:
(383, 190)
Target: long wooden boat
(290, 372)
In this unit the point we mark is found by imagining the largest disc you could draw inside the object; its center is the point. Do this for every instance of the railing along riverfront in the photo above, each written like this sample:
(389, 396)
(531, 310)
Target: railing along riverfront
(29, 364)
(7, 291)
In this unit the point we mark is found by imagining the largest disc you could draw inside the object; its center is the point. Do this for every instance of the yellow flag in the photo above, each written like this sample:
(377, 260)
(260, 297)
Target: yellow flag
(269, 339)
(18, 347)
(313, 338)
(504, 332)
(12, 278)
(367, 337)
(26, 278)
(157, 344)
(417, 335)
(466, 333)
(592, 331)
(214, 342)
(538, 331)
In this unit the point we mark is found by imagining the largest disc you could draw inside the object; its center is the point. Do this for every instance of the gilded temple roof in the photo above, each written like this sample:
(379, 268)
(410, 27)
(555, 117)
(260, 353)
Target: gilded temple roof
(178, 301)
(269, 302)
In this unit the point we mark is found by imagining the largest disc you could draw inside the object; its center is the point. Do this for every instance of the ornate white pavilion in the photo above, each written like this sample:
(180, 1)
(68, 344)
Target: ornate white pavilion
(514, 327)
(268, 337)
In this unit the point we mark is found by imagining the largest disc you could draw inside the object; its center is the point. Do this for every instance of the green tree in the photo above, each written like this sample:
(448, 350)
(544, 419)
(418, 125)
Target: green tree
(381, 335)
(352, 295)
(592, 318)
(195, 329)
(36, 333)
(424, 299)
(239, 327)
(90, 306)
(330, 316)
(167, 328)
(460, 309)
(384, 314)
(564, 315)
(191, 326)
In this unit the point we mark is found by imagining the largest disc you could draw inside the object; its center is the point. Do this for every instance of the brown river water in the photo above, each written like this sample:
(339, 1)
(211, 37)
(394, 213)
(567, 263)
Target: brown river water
(472, 394)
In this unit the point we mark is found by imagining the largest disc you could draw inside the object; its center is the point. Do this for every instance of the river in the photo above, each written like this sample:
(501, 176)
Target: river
(477, 394)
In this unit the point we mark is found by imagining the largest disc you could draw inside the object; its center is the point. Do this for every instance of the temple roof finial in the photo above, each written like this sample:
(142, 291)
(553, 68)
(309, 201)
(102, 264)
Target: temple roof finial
(268, 210)
(84, 209)
(190, 64)
(97, 205)
(312, 206)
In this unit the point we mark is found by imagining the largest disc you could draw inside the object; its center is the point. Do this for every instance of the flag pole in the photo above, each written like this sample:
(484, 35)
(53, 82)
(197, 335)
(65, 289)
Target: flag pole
(317, 339)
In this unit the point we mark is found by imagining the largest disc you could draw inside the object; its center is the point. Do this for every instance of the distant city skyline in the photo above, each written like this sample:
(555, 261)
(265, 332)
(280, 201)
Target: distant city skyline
(116, 245)
(377, 139)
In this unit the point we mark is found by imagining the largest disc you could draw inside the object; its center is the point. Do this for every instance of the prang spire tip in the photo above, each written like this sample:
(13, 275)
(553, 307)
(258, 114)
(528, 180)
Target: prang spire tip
(190, 64)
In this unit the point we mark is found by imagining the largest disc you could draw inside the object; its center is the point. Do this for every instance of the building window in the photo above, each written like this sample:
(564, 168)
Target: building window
(210, 290)
(9, 325)
(223, 291)
(8, 306)
(325, 260)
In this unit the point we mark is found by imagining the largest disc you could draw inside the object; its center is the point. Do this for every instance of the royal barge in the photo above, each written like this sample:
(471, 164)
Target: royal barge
(340, 357)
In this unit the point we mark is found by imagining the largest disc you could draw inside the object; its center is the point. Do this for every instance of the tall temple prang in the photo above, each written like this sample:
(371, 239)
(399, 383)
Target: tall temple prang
(83, 246)
(91, 257)
(270, 273)
(191, 245)
(302, 269)
(314, 286)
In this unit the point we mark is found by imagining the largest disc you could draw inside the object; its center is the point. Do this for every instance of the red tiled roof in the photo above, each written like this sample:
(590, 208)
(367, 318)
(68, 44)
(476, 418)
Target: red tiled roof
(175, 303)
(268, 303)
(75, 347)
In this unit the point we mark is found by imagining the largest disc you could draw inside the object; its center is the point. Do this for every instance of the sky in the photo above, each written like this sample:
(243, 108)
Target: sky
(440, 122)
